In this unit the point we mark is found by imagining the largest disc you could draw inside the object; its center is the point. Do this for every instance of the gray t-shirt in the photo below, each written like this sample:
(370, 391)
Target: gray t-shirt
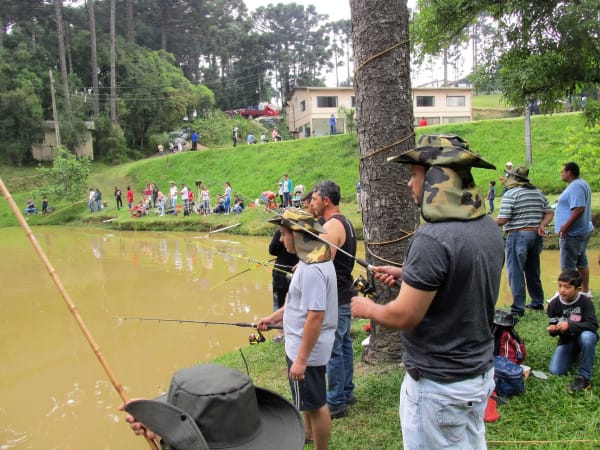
(313, 288)
(462, 261)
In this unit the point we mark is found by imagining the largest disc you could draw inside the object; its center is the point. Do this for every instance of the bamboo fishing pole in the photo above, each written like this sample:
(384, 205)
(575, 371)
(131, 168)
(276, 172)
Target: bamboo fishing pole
(65, 295)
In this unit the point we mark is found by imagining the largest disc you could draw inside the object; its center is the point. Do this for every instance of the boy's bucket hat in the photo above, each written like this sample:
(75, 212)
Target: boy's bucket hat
(297, 219)
(306, 229)
(209, 406)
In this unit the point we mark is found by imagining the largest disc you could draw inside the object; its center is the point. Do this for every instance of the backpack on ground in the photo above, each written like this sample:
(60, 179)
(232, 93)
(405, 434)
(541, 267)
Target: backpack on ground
(508, 377)
(507, 341)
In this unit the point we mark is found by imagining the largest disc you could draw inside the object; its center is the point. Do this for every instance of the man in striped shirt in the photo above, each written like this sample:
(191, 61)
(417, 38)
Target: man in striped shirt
(524, 213)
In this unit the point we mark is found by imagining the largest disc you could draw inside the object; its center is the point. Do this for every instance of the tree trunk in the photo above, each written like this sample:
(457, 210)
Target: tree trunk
(528, 150)
(113, 79)
(61, 52)
(384, 117)
(95, 85)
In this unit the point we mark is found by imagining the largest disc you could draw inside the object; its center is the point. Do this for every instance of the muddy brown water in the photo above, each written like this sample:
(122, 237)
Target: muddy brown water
(53, 392)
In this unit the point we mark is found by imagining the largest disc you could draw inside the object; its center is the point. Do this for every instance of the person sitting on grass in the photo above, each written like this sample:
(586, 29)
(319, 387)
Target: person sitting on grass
(30, 207)
(139, 210)
(573, 319)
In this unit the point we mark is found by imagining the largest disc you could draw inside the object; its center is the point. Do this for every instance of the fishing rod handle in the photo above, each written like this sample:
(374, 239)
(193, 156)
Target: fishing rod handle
(370, 268)
(269, 327)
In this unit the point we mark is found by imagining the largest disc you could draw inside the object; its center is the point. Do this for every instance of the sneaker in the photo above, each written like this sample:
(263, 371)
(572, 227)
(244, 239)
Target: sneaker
(580, 384)
(339, 412)
(279, 338)
(535, 307)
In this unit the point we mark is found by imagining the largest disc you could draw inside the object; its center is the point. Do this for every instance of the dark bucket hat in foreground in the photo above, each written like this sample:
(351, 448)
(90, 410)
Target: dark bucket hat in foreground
(209, 406)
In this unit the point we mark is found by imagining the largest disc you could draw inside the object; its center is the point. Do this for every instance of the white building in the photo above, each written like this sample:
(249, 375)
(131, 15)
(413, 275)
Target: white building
(310, 108)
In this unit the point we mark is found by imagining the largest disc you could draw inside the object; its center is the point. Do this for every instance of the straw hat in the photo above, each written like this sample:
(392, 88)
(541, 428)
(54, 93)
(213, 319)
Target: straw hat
(309, 248)
(209, 406)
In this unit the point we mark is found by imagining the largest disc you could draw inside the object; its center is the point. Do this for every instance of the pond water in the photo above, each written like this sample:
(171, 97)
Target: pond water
(53, 392)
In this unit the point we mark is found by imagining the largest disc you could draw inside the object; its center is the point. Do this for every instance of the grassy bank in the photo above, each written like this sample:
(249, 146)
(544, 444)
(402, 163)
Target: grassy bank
(256, 168)
(545, 416)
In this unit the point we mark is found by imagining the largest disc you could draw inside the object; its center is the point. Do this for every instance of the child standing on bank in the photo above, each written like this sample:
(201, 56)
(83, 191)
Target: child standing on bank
(573, 319)
(491, 196)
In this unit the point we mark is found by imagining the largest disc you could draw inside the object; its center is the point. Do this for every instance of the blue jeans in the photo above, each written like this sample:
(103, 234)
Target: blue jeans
(340, 368)
(565, 355)
(523, 250)
(444, 415)
(573, 254)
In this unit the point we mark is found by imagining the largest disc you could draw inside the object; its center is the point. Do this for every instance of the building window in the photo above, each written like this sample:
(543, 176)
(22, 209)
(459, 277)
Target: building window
(353, 101)
(455, 101)
(425, 100)
(327, 102)
(303, 105)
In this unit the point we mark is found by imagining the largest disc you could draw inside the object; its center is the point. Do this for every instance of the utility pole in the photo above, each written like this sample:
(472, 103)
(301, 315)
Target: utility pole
(54, 112)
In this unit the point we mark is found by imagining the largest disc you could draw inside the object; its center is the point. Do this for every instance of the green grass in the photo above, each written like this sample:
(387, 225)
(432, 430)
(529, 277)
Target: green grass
(256, 168)
(488, 101)
(545, 416)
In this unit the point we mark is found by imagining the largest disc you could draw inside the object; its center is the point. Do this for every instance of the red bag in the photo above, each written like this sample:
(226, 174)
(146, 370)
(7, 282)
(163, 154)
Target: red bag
(509, 344)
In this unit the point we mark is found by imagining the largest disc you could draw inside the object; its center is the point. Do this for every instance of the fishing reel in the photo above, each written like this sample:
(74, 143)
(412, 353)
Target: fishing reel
(365, 287)
(256, 338)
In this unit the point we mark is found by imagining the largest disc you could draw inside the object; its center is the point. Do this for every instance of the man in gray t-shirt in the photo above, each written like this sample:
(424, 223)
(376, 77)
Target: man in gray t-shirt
(445, 307)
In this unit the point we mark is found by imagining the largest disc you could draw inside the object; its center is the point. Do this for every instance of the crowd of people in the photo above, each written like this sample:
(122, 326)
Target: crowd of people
(178, 200)
(444, 310)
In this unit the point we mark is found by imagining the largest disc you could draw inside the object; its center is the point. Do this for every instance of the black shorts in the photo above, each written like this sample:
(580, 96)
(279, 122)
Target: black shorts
(311, 393)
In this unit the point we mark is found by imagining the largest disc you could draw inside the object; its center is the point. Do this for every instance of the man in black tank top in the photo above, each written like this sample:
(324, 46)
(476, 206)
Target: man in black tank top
(340, 232)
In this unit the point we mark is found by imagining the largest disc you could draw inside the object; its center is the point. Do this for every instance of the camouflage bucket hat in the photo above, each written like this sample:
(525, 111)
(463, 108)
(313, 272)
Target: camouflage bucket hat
(297, 219)
(447, 150)
(449, 191)
(306, 229)
(450, 194)
(519, 176)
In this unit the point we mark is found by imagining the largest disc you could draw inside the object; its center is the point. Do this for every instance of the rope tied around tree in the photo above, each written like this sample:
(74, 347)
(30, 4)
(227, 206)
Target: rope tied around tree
(401, 141)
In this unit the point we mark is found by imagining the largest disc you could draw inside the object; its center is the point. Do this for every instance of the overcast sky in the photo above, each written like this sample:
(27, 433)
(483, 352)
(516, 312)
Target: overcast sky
(335, 9)
(340, 9)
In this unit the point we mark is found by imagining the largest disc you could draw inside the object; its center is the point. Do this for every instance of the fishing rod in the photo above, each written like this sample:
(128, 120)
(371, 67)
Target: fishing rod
(360, 261)
(218, 230)
(256, 266)
(253, 339)
(69, 303)
(258, 263)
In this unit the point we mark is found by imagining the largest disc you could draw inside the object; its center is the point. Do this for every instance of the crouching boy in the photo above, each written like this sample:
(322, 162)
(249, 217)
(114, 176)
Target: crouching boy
(573, 319)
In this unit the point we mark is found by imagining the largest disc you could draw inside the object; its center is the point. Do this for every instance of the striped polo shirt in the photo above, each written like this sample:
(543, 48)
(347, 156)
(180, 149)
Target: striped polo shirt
(523, 207)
